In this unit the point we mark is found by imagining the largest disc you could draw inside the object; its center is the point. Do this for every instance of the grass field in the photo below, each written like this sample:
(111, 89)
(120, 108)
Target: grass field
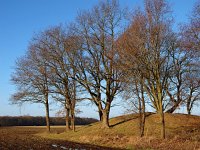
(182, 133)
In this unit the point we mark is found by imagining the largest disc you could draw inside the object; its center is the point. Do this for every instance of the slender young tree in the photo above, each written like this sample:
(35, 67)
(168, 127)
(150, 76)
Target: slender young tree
(134, 95)
(132, 77)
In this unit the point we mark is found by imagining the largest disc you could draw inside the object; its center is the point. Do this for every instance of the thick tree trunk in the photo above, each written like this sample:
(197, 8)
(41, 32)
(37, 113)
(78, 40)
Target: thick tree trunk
(189, 105)
(73, 120)
(99, 108)
(73, 104)
(162, 119)
(141, 102)
(189, 112)
(141, 117)
(188, 109)
(100, 115)
(47, 116)
(142, 125)
(47, 112)
(67, 119)
(105, 119)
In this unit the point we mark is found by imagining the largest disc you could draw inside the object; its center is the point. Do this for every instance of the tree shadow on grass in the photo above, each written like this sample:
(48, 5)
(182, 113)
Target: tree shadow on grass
(126, 119)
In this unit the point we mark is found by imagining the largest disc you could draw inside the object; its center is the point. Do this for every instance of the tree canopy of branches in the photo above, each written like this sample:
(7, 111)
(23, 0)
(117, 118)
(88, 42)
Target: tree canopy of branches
(145, 48)
(190, 43)
(98, 30)
(102, 54)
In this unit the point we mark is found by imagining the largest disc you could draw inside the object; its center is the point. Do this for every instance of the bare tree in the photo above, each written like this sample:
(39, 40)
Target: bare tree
(134, 94)
(147, 45)
(132, 77)
(179, 63)
(192, 92)
(31, 79)
(59, 54)
(184, 80)
(98, 30)
(190, 43)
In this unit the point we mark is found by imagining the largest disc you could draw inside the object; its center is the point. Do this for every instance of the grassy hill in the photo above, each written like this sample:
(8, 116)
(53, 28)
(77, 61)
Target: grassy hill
(182, 132)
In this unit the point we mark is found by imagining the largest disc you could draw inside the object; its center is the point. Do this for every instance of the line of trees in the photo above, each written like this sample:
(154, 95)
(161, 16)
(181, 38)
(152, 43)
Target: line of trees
(107, 51)
(40, 121)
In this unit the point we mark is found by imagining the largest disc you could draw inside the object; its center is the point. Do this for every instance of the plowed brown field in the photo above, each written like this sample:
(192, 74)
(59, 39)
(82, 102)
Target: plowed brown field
(23, 138)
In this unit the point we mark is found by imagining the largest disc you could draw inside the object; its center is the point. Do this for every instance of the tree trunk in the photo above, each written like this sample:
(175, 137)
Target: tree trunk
(99, 109)
(189, 112)
(47, 112)
(100, 115)
(67, 119)
(162, 119)
(73, 104)
(140, 115)
(141, 102)
(140, 122)
(174, 107)
(73, 120)
(188, 109)
(143, 118)
(105, 119)
(47, 116)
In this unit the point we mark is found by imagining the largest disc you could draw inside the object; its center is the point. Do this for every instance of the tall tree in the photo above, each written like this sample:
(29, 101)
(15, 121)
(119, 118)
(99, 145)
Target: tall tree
(147, 43)
(60, 53)
(98, 29)
(31, 79)
(132, 78)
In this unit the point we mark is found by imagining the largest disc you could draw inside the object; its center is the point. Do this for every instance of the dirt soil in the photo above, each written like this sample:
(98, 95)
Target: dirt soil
(23, 138)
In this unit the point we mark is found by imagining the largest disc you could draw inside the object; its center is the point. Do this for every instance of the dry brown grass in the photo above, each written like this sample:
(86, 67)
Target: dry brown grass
(182, 132)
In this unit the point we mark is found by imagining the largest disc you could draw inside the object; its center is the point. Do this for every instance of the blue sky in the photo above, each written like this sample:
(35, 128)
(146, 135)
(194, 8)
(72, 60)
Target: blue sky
(20, 19)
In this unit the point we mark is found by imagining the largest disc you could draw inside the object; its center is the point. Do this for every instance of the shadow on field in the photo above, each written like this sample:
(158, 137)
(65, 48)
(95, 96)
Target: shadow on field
(126, 118)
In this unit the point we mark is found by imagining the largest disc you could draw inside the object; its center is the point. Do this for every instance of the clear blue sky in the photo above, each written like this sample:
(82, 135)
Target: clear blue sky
(20, 19)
